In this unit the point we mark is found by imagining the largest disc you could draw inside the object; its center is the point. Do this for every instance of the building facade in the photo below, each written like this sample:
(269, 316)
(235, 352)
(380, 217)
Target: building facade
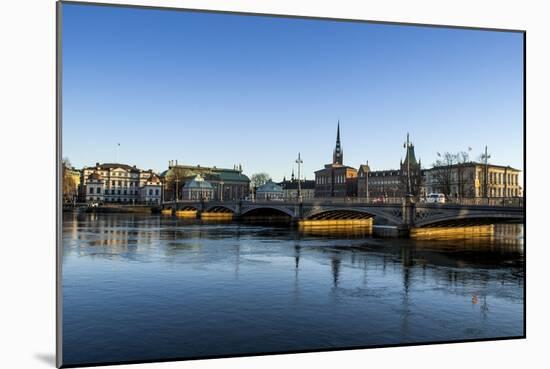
(412, 180)
(290, 188)
(408, 179)
(363, 181)
(151, 190)
(336, 179)
(119, 183)
(94, 188)
(197, 189)
(71, 184)
(270, 191)
(385, 183)
(227, 184)
(474, 180)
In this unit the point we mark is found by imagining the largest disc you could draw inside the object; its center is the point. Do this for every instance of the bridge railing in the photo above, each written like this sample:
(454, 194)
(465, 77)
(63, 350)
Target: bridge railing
(491, 201)
(495, 201)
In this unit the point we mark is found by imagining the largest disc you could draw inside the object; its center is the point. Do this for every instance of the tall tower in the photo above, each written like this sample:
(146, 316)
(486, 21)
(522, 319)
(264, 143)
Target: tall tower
(338, 155)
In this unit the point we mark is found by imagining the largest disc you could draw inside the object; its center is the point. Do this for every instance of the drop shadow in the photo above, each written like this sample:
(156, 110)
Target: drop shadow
(46, 358)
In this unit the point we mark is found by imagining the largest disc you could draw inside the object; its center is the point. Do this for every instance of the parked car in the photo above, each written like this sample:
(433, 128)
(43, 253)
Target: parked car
(93, 205)
(438, 198)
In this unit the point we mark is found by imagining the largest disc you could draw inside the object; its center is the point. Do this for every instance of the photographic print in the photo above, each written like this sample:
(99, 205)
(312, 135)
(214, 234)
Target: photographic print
(241, 184)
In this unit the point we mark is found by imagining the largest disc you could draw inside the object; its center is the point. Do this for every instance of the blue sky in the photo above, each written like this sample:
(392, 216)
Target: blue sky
(219, 89)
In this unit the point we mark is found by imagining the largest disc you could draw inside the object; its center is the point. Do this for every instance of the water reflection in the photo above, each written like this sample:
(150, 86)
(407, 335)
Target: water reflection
(219, 287)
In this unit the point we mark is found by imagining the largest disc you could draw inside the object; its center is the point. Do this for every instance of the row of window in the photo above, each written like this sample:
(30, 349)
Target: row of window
(503, 192)
(377, 182)
(326, 180)
(499, 178)
(153, 201)
(97, 190)
(118, 174)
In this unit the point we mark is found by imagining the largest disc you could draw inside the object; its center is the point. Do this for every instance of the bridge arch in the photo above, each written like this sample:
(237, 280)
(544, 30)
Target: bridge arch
(468, 219)
(393, 216)
(188, 207)
(220, 209)
(260, 208)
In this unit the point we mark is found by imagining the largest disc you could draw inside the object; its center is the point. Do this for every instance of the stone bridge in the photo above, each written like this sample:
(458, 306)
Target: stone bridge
(405, 214)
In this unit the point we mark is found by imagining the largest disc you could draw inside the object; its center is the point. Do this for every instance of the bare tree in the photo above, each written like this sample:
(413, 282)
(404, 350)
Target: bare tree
(259, 179)
(442, 172)
(462, 158)
(174, 180)
(449, 170)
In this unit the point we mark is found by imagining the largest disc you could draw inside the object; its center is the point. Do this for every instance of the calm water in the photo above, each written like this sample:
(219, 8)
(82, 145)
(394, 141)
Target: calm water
(156, 287)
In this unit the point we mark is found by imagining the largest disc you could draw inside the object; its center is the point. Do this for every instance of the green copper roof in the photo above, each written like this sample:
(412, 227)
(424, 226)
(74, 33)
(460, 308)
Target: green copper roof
(270, 186)
(198, 182)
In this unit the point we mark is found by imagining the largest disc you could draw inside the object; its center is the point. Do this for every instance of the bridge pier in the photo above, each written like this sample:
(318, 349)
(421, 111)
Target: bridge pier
(408, 211)
(298, 212)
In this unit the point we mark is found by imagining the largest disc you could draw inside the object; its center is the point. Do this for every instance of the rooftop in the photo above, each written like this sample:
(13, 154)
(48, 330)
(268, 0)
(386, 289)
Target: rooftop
(475, 163)
(269, 186)
(198, 183)
(293, 185)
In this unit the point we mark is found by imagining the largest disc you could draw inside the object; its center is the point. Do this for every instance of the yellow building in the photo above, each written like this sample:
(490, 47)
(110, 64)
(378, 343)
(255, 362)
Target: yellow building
(472, 180)
(71, 183)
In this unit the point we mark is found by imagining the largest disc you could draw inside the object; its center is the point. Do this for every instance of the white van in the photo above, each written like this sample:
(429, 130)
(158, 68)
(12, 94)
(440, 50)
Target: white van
(438, 198)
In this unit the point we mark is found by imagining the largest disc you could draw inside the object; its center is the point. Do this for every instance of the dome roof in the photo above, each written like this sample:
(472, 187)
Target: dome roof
(198, 183)
(270, 186)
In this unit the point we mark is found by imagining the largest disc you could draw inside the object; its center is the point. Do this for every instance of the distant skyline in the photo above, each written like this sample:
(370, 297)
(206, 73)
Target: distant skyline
(224, 89)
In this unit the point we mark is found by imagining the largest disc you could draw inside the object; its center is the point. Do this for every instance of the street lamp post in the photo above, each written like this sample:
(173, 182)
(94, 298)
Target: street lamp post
(451, 177)
(221, 190)
(367, 174)
(299, 162)
(176, 189)
(486, 157)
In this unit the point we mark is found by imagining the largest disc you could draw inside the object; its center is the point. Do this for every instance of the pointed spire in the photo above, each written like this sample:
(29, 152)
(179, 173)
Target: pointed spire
(410, 157)
(338, 155)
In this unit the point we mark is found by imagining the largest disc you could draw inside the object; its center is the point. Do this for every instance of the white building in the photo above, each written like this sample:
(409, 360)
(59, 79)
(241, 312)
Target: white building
(119, 183)
(151, 191)
(94, 189)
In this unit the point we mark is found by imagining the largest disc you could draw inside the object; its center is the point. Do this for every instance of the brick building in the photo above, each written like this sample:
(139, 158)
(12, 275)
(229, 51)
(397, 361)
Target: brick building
(336, 179)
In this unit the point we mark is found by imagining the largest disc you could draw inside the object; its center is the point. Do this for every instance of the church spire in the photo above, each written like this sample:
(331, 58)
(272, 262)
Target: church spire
(338, 156)
(409, 156)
